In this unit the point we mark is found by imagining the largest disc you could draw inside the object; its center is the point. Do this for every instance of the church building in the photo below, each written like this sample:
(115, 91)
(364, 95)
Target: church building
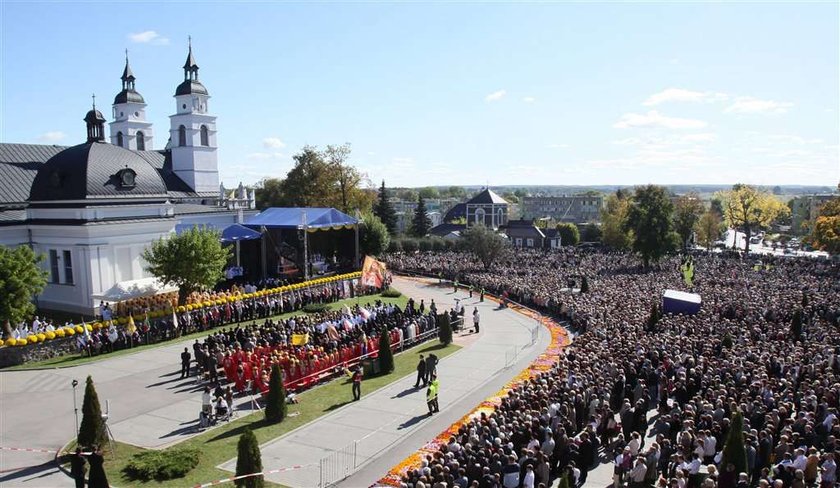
(91, 209)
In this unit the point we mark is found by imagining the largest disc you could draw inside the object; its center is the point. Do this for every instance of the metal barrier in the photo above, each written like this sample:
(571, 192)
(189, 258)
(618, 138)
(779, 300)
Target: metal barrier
(510, 356)
(338, 465)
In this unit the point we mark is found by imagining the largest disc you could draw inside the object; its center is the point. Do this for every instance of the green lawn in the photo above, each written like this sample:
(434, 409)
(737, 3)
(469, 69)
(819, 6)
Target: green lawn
(75, 359)
(219, 444)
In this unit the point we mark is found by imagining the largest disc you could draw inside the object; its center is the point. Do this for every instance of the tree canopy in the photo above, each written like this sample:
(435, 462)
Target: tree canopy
(269, 193)
(374, 238)
(569, 234)
(484, 243)
(193, 260)
(708, 228)
(613, 216)
(21, 278)
(649, 218)
(826, 232)
(687, 211)
(745, 207)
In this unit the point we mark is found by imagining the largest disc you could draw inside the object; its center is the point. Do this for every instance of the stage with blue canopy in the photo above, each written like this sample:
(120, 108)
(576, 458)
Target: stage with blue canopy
(238, 232)
(310, 218)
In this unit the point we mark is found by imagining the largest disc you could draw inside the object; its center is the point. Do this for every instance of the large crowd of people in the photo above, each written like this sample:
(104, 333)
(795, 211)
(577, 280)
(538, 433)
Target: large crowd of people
(655, 399)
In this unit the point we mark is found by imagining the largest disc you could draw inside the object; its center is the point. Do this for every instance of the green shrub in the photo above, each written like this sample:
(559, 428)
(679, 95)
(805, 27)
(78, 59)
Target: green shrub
(395, 245)
(424, 244)
(386, 356)
(315, 307)
(92, 431)
(275, 408)
(410, 245)
(162, 465)
(249, 460)
(438, 244)
(444, 329)
(391, 293)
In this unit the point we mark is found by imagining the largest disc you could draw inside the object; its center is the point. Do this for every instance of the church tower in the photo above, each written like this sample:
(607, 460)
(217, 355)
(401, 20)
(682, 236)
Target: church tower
(193, 133)
(129, 128)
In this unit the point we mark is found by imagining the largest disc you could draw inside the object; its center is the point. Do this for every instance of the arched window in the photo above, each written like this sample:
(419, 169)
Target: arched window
(182, 136)
(500, 217)
(479, 216)
(141, 141)
(119, 139)
(205, 136)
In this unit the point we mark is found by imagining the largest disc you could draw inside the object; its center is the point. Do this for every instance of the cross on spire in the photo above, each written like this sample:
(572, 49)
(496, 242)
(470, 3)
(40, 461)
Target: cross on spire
(93, 96)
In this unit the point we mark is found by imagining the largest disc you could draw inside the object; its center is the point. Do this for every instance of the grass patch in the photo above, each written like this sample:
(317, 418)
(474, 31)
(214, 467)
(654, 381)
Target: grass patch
(315, 307)
(219, 444)
(391, 293)
(75, 359)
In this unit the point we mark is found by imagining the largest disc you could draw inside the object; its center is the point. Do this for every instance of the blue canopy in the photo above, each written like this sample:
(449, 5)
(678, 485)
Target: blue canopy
(311, 218)
(237, 232)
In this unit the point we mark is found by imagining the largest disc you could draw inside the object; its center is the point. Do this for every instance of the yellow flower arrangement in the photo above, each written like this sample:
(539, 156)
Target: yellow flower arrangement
(50, 335)
(89, 327)
(79, 329)
(2, 343)
(69, 331)
(20, 342)
(182, 309)
(31, 338)
(41, 337)
(59, 332)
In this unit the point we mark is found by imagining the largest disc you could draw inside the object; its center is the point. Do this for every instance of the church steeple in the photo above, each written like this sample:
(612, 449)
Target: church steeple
(127, 76)
(190, 66)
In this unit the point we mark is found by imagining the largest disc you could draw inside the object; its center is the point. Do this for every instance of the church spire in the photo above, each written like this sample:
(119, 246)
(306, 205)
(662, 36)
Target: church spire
(95, 124)
(190, 66)
(127, 76)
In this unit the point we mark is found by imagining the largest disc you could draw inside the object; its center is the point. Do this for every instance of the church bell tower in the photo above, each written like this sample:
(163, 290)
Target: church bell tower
(130, 128)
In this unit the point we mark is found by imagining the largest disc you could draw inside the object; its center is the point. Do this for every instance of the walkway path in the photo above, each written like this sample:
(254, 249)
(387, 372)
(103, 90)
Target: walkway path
(391, 423)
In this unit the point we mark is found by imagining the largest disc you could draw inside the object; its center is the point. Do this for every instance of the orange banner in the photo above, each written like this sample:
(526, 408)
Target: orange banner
(373, 272)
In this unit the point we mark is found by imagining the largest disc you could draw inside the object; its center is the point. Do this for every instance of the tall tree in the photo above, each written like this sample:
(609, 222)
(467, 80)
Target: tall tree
(733, 449)
(386, 356)
(826, 232)
(21, 278)
(92, 431)
(613, 217)
(484, 243)
(249, 460)
(569, 234)
(590, 232)
(193, 260)
(649, 218)
(385, 211)
(429, 192)
(421, 223)
(310, 182)
(687, 213)
(354, 189)
(374, 239)
(275, 407)
(269, 193)
(709, 228)
(747, 208)
(444, 329)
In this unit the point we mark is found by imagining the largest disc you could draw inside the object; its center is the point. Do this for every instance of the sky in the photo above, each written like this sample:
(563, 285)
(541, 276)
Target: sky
(454, 93)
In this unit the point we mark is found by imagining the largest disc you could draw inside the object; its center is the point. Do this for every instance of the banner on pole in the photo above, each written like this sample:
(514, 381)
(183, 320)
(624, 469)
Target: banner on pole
(373, 272)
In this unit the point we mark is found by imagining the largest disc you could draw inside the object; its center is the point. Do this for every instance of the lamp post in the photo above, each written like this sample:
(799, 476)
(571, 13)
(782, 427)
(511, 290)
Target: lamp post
(75, 383)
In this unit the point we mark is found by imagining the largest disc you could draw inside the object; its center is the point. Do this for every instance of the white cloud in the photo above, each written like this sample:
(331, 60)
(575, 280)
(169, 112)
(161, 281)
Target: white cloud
(273, 143)
(655, 119)
(495, 96)
(52, 136)
(557, 146)
(752, 105)
(683, 95)
(529, 99)
(148, 37)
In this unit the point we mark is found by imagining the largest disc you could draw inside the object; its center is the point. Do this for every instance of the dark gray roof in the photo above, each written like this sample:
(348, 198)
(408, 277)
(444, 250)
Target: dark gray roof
(129, 96)
(19, 164)
(94, 115)
(189, 87)
(486, 196)
(446, 229)
(456, 212)
(90, 171)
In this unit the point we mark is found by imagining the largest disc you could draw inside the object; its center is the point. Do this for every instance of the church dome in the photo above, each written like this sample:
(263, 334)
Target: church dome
(96, 171)
(128, 96)
(189, 87)
(93, 116)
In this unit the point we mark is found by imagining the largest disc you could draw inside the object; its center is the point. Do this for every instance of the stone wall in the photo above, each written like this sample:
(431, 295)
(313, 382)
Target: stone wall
(12, 356)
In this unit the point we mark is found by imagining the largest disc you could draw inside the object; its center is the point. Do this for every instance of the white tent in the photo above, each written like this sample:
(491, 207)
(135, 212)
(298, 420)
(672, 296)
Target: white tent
(126, 290)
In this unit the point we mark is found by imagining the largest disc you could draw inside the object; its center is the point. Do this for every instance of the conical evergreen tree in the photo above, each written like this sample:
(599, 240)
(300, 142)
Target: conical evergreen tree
(92, 431)
(249, 461)
(386, 356)
(584, 285)
(444, 329)
(421, 224)
(733, 450)
(385, 211)
(275, 408)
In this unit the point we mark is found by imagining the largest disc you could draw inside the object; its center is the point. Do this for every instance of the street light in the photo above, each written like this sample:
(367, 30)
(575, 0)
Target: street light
(75, 383)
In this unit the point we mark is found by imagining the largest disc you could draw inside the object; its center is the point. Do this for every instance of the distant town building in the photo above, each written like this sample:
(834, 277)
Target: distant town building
(487, 208)
(573, 208)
